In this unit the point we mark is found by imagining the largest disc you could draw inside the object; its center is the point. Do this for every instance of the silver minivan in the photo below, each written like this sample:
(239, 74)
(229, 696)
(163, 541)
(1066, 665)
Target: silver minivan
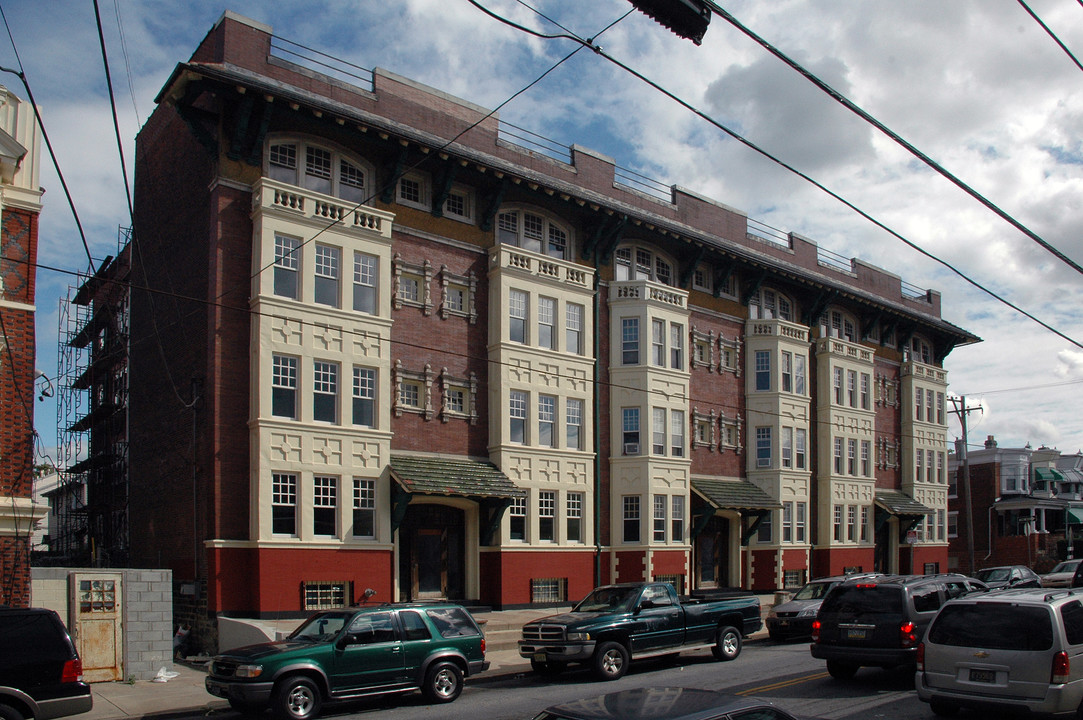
(1014, 649)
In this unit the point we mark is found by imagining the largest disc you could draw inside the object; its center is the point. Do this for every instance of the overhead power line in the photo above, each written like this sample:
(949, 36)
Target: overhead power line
(1051, 34)
(854, 108)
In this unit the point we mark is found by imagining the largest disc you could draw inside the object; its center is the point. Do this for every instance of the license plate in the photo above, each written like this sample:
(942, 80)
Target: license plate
(539, 657)
(855, 634)
(983, 676)
(783, 623)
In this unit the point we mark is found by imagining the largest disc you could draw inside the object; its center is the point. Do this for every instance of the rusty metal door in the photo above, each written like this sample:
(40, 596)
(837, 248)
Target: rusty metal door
(96, 607)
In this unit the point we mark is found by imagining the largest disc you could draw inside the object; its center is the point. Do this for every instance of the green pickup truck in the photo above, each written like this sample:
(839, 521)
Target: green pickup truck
(617, 623)
(350, 653)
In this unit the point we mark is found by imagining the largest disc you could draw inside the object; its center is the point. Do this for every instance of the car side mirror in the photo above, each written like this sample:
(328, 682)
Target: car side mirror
(646, 604)
(344, 640)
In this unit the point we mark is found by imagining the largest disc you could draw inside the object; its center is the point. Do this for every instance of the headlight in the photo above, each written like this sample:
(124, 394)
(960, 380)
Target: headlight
(579, 636)
(809, 612)
(249, 671)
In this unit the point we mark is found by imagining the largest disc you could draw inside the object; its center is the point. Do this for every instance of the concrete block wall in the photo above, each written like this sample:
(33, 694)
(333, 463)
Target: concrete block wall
(147, 613)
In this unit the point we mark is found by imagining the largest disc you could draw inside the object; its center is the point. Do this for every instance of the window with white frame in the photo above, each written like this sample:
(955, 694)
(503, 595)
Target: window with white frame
(517, 315)
(940, 522)
(324, 391)
(786, 370)
(324, 505)
(630, 431)
(851, 523)
(365, 273)
(324, 170)
(364, 508)
(930, 406)
(701, 278)
(677, 519)
(547, 414)
(836, 383)
(787, 447)
(765, 531)
(864, 523)
(534, 232)
(630, 515)
(919, 465)
(574, 516)
(658, 431)
(866, 458)
(837, 522)
(659, 519)
(633, 262)
(547, 511)
(851, 388)
(763, 447)
(412, 190)
(459, 397)
(730, 432)
(921, 350)
(763, 370)
(767, 304)
(866, 380)
(676, 346)
(459, 204)
(410, 394)
(414, 391)
(799, 374)
(287, 267)
(629, 335)
(573, 423)
(547, 310)
(837, 454)
(851, 456)
(800, 440)
(703, 430)
(702, 349)
(658, 343)
(328, 272)
(517, 518)
(517, 403)
(787, 521)
(412, 284)
(284, 386)
(573, 328)
(838, 324)
(676, 433)
(940, 408)
(800, 522)
(284, 504)
(364, 396)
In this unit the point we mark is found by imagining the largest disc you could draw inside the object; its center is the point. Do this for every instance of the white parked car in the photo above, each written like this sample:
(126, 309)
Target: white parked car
(1061, 574)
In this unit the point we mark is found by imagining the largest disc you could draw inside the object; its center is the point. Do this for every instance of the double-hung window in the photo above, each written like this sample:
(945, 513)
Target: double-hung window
(658, 343)
(800, 437)
(659, 520)
(787, 447)
(284, 504)
(677, 519)
(517, 518)
(328, 262)
(365, 268)
(658, 431)
(630, 430)
(799, 527)
(786, 362)
(799, 374)
(787, 521)
(630, 505)
(837, 385)
(851, 456)
(364, 396)
(763, 370)
(837, 448)
(676, 433)
(517, 314)
(629, 337)
(763, 447)
(547, 511)
(851, 388)
(573, 328)
(547, 413)
(547, 308)
(573, 422)
(364, 508)
(676, 346)
(287, 266)
(324, 505)
(574, 516)
(517, 416)
(324, 391)
(284, 386)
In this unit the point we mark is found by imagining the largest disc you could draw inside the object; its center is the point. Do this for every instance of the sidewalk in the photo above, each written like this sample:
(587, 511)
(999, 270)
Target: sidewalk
(185, 694)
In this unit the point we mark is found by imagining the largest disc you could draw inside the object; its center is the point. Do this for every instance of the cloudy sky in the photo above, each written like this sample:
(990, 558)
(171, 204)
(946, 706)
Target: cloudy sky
(977, 85)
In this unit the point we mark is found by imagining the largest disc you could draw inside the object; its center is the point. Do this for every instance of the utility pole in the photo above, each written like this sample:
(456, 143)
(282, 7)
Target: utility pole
(961, 449)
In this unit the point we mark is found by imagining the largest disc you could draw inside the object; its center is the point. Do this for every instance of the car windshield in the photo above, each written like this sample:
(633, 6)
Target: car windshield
(616, 599)
(994, 574)
(813, 591)
(321, 627)
(1066, 566)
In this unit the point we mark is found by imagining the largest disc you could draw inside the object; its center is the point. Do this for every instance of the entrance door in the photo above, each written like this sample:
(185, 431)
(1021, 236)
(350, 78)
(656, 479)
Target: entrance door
(712, 554)
(96, 606)
(431, 553)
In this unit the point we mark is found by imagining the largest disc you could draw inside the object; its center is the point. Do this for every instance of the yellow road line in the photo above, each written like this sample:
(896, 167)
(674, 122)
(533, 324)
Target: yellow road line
(784, 683)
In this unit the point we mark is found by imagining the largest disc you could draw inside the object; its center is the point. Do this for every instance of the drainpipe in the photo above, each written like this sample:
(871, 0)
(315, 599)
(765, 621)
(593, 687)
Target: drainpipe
(597, 431)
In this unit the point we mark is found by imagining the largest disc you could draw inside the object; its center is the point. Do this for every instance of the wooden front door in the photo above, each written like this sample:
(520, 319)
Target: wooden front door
(431, 553)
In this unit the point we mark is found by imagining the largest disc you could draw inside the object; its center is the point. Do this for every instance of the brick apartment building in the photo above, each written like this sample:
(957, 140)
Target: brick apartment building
(1027, 504)
(20, 205)
(386, 347)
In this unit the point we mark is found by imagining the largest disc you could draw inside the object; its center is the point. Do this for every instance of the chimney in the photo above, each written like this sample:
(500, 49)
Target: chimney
(990, 442)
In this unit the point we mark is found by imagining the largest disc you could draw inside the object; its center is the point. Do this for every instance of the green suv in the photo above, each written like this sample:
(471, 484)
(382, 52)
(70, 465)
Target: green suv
(350, 653)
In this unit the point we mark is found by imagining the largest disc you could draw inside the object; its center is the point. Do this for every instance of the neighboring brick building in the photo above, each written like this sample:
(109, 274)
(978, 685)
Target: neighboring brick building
(20, 205)
(386, 348)
(1025, 503)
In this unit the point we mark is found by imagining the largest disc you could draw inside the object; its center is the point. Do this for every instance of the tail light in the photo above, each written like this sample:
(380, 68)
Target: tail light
(907, 636)
(1061, 669)
(72, 672)
(921, 657)
(482, 644)
(815, 631)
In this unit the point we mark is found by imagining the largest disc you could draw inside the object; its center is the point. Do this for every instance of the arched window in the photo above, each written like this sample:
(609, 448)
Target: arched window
(533, 231)
(318, 168)
(767, 304)
(839, 324)
(634, 262)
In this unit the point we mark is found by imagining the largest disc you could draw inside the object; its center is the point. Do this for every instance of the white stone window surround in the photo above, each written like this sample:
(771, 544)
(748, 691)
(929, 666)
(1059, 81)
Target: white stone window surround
(423, 272)
(468, 284)
(469, 387)
(424, 381)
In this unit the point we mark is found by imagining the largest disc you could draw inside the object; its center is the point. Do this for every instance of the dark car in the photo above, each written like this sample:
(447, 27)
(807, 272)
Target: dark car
(672, 703)
(41, 675)
(351, 653)
(1009, 576)
(880, 621)
(793, 618)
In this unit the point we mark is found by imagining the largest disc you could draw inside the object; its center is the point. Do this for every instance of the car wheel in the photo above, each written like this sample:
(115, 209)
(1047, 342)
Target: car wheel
(9, 713)
(727, 644)
(443, 682)
(943, 709)
(245, 708)
(610, 661)
(841, 670)
(548, 668)
(296, 698)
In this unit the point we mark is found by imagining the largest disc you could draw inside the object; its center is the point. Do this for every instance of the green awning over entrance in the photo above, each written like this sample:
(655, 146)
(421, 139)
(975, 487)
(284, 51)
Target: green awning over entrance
(734, 495)
(443, 475)
(899, 503)
(1075, 515)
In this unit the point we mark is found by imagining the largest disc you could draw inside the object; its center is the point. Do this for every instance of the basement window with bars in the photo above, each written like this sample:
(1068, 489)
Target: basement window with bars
(548, 590)
(677, 581)
(323, 595)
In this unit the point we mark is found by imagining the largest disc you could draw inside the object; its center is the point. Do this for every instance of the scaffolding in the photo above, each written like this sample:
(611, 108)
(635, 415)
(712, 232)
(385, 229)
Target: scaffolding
(92, 416)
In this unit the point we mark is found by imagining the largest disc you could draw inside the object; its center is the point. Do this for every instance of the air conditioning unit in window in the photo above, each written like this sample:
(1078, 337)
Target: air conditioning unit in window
(631, 448)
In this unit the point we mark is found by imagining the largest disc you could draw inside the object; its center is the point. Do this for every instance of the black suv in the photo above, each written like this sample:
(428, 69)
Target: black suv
(41, 675)
(880, 620)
